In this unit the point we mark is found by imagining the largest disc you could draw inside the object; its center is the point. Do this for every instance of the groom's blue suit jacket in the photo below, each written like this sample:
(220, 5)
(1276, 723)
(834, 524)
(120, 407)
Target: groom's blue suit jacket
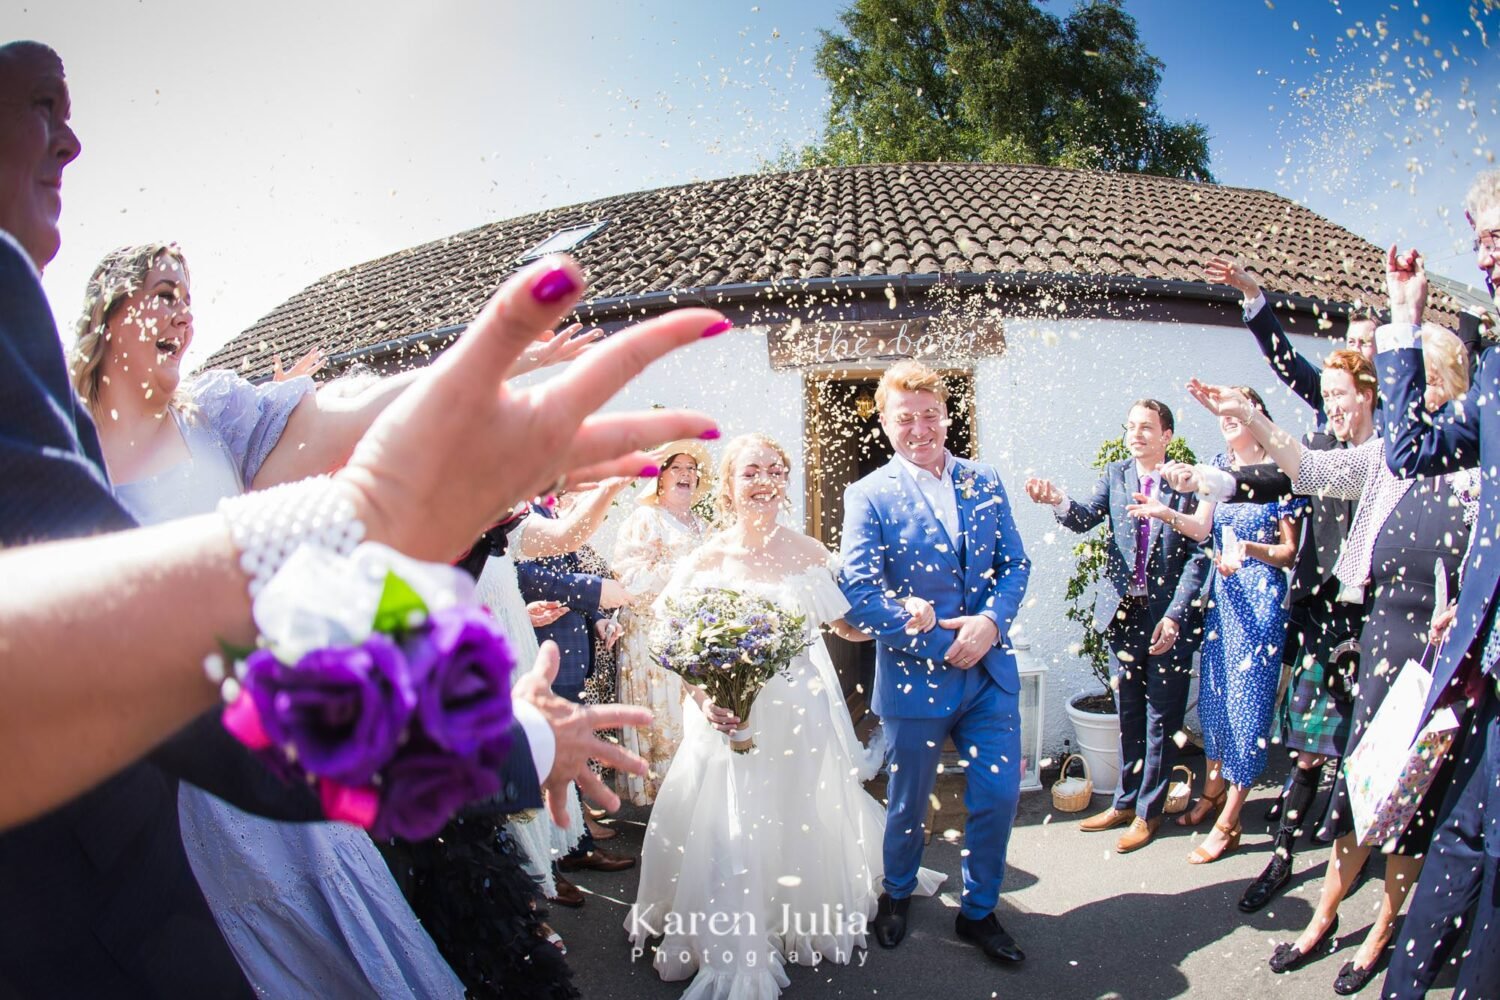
(894, 547)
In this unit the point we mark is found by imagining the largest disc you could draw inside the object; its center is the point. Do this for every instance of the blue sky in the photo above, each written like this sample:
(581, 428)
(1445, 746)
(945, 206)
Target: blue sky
(284, 142)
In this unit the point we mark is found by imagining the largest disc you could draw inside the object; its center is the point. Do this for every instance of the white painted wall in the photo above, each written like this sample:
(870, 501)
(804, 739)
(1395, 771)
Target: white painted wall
(1043, 408)
(1061, 389)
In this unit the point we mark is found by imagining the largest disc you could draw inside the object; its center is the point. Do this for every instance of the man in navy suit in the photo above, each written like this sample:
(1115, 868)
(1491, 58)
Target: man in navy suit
(1463, 863)
(935, 533)
(1150, 609)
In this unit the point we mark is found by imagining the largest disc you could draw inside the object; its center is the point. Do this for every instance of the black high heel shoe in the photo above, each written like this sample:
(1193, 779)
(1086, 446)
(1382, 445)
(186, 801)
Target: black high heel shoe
(1287, 956)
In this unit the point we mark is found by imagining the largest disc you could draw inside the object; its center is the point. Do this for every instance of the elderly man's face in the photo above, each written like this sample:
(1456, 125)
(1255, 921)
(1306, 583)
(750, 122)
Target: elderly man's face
(1487, 233)
(35, 145)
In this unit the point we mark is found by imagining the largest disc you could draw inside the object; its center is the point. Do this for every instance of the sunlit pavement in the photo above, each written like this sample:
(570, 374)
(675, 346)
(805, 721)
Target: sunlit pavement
(1092, 923)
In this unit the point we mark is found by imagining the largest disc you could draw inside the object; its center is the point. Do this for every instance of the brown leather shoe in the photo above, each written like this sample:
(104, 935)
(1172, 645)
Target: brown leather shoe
(568, 894)
(1138, 836)
(598, 860)
(1107, 820)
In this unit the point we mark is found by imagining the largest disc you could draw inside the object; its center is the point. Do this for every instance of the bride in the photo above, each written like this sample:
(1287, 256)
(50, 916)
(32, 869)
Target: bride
(755, 860)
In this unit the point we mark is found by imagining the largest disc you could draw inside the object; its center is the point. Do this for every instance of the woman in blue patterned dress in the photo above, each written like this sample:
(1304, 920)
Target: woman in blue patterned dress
(1244, 631)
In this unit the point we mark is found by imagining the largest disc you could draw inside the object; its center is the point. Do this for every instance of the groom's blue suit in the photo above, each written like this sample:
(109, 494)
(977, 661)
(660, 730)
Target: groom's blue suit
(894, 547)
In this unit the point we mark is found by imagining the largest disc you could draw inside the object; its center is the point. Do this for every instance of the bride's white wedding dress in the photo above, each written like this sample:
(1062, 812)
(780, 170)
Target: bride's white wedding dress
(755, 860)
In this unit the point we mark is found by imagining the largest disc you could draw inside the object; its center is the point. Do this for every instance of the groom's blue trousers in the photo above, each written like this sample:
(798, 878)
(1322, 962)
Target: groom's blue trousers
(986, 729)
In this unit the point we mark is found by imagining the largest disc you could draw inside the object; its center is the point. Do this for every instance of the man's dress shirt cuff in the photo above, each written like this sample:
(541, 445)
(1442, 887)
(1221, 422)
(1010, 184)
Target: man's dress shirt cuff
(1214, 484)
(538, 736)
(1396, 336)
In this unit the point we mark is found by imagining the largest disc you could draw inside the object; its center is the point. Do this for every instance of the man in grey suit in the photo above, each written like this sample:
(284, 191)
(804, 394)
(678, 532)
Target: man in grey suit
(1150, 609)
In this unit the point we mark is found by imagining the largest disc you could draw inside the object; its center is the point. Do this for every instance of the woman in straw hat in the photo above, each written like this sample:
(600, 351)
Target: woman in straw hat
(654, 539)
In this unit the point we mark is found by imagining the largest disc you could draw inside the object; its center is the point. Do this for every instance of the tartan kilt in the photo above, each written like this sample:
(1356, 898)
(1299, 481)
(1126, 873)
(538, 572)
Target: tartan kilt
(1312, 719)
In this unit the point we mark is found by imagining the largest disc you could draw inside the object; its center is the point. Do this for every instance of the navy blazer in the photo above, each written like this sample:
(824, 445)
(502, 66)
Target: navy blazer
(561, 578)
(96, 897)
(1461, 435)
(1300, 375)
(1177, 567)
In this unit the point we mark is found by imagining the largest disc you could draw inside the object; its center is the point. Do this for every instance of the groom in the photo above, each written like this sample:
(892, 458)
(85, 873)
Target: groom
(934, 527)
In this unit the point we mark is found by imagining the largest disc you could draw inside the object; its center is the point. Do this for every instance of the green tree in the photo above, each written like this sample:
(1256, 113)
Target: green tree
(998, 81)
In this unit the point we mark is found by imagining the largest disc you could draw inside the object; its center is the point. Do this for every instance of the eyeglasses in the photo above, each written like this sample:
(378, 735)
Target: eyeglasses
(1488, 242)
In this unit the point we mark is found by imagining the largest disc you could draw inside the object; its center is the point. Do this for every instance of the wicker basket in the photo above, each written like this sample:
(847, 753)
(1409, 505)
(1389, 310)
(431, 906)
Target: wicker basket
(1179, 793)
(1068, 794)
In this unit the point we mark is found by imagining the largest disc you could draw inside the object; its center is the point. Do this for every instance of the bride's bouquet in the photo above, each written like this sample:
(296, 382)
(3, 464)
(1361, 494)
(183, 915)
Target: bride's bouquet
(730, 643)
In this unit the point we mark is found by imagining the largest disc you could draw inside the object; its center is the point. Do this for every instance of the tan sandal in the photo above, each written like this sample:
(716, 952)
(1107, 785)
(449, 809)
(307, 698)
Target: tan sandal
(1203, 809)
(1201, 856)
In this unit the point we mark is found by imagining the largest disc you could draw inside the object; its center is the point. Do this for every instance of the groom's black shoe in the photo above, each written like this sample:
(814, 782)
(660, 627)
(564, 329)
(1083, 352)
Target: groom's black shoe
(890, 920)
(1264, 889)
(990, 937)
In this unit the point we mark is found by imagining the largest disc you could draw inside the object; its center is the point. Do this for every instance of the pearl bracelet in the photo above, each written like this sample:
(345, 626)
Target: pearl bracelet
(267, 526)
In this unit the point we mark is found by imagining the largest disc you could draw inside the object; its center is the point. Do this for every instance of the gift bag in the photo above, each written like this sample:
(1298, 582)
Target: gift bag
(1397, 757)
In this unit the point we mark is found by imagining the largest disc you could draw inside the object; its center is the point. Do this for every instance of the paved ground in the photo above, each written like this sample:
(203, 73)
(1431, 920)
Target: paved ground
(1093, 923)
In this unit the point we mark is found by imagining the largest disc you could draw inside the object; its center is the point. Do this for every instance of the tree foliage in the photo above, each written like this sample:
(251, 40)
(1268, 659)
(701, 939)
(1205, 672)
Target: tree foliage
(998, 81)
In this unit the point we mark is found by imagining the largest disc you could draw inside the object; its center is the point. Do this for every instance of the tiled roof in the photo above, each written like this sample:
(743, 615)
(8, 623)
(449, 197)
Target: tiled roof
(838, 222)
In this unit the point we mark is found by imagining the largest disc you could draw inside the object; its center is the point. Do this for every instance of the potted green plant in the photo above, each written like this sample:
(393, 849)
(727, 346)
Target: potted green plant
(1095, 721)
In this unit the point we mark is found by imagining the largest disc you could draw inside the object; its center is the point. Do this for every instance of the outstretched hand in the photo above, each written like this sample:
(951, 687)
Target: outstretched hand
(1222, 400)
(1406, 284)
(310, 363)
(1144, 506)
(1043, 491)
(1181, 476)
(460, 445)
(573, 728)
(1228, 271)
(555, 349)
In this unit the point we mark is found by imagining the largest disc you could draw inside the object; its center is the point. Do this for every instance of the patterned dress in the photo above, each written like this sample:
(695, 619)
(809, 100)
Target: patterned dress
(651, 544)
(1244, 630)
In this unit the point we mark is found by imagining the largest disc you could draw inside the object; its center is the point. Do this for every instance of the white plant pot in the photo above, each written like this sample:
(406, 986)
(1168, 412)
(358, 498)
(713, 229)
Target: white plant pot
(1098, 743)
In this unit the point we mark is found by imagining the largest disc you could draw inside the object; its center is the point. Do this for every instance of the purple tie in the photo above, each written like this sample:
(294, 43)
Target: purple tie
(1142, 541)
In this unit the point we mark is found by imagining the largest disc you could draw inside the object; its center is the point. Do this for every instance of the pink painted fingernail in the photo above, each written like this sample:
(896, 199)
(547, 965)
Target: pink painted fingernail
(650, 472)
(554, 286)
(712, 434)
(550, 500)
(721, 326)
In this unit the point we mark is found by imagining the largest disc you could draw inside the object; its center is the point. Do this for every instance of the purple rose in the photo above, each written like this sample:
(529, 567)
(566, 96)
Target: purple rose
(343, 708)
(461, 666)
(424, 786)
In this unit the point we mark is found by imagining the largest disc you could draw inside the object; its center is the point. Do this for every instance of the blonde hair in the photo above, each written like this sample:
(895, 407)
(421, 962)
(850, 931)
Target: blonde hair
(1483, 194)
(910, 376)
(724, 488)
(1444, 355)
(119, 275)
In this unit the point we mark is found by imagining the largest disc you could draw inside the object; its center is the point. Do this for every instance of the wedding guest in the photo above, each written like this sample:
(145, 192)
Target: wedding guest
(306, 907)
(82, 696)
(1150, 611)
(576, 612)
(662, 530)
(1316, 714)
(1244, 629)
(1460, 884)
(1402, 531)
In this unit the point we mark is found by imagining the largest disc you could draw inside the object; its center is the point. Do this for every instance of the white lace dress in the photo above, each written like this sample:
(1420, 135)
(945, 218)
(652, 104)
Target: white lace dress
(752, 861)
(651, 545)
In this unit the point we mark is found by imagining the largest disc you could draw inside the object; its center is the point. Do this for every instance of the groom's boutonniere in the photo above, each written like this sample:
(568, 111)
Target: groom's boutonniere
(967, 484)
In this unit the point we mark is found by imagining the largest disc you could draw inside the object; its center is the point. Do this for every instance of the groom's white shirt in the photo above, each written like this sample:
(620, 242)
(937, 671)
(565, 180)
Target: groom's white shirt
(939, 493)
